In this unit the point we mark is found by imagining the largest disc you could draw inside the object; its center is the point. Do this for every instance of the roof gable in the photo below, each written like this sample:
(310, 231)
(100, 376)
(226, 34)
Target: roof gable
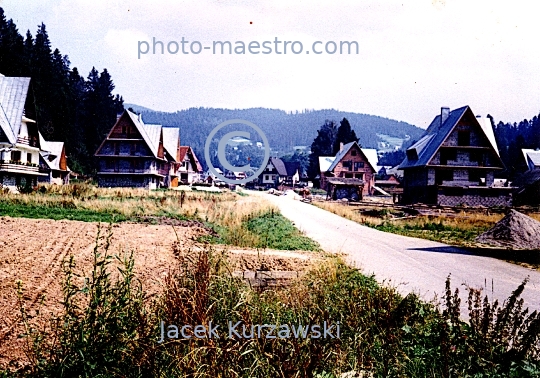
(187, 151)
(171, 141)
(13, 94)
(53, 154)
(532, 158)
(325, 162)
(341, 154)
(291, 167)
(152, 140)
(422, 152)
(279, 165)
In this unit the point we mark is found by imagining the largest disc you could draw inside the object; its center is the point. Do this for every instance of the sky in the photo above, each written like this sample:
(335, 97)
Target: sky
(414, 56)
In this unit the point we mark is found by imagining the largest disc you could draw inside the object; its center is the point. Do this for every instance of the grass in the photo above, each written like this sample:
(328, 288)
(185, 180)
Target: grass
(460, 229)
(238, 219)
(108, 327)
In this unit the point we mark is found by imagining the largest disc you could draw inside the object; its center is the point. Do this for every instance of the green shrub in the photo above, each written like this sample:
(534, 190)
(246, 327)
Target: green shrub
(108, 327)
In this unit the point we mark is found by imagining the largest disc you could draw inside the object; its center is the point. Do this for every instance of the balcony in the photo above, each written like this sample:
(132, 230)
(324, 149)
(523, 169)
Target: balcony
(32, 142)
(128, 171)
(19, 167)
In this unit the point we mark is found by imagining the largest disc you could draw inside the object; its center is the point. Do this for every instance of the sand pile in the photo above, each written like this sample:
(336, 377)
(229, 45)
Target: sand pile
(516, 231)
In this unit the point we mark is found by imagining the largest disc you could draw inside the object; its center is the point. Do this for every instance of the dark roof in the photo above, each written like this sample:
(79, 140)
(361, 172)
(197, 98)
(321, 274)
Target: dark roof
(345, 181)
(291, 167)
(527, 178)
(344, 151)
(434, 136)
(279, 165)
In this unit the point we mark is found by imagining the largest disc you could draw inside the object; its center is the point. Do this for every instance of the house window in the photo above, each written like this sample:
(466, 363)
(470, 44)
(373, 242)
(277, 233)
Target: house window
(347, 165)
(358, 165)
(359, 176)
(443, 175)
(476, 176)
(446, 155)
(477, 157)
(16, 155)
(266, 177)
(353, 152)
(348, 175)
(29, 158)
(464, 138)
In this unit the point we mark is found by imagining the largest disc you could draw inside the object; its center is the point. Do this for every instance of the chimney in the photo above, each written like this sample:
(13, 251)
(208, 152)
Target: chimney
(340, 146)
(445, 112)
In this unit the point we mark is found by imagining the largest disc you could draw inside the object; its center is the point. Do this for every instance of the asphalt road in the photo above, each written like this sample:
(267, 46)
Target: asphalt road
(409, 264)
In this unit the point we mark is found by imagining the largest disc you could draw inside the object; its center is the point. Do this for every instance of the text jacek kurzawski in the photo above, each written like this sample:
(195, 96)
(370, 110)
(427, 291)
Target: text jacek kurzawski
(240, 330)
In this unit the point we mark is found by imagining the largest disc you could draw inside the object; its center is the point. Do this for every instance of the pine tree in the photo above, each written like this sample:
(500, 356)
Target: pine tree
(322, 146)
(345, 134)
(11, 47)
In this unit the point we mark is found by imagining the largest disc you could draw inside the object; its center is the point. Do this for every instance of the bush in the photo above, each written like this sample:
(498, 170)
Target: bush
(109, 328)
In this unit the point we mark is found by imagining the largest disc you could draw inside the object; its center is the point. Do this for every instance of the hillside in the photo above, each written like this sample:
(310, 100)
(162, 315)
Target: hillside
(284, 130)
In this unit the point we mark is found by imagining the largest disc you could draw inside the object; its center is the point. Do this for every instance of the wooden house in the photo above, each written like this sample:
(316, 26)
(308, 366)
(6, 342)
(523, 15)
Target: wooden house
(134, 155)
(454, 163)
(349, 174)
(53, 161)
(279, 172)
(19, 137)
(190, 168)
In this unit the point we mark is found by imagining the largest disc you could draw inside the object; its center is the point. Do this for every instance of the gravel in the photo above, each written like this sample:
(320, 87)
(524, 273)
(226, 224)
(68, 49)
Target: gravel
(515, 231)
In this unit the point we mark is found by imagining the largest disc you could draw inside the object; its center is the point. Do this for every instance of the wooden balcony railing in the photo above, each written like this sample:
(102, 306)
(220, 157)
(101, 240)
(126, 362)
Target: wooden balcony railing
(32, 142)
(9, 165)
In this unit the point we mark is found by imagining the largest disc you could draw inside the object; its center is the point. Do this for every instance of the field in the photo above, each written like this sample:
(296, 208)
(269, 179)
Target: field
(154, 226)
(82, 298)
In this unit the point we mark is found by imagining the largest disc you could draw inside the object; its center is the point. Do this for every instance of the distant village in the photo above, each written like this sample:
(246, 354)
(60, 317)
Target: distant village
(456, 162)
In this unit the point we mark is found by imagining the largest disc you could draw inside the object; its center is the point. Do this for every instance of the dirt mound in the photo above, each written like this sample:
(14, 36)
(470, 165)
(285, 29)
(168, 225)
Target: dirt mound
(515, 230)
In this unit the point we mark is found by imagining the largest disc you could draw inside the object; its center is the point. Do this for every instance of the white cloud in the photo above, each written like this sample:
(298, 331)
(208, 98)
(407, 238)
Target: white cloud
(415, 56)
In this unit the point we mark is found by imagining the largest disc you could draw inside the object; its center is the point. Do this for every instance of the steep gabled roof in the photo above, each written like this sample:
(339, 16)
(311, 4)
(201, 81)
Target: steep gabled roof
(341, 154)
(421, 153)
(51, 152)
(187, 150)
(291, 167)
(532, 157)
(279, 165)
(171, 140)
(13, 92)
(372, 157)
(150, 133)
(325, 162)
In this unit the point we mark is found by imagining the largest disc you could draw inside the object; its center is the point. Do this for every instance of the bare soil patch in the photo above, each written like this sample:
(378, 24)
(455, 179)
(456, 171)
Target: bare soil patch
(32, 251)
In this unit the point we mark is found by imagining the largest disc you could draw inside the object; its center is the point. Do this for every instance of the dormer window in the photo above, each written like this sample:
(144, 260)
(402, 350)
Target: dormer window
(412, 154)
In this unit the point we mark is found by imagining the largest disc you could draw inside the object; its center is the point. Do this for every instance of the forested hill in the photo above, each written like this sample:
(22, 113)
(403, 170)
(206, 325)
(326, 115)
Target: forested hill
(284, 130)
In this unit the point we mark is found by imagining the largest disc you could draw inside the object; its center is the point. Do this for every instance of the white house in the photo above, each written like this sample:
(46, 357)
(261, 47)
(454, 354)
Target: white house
(19, 137)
